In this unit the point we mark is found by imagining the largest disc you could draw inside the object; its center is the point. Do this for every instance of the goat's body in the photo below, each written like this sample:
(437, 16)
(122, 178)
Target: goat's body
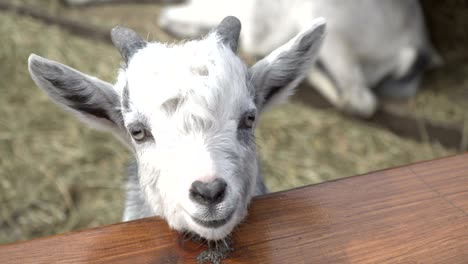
(370, 43)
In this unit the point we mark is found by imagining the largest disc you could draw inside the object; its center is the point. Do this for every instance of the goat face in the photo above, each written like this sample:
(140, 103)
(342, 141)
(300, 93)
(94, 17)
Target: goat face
(188, 112)
(191, 112)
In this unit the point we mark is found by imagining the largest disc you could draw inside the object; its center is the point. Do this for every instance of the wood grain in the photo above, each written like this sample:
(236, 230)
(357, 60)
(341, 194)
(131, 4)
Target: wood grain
(411, 214)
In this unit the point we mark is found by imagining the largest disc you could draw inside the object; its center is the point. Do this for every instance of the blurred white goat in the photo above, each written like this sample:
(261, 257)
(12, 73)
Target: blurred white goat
(370, 44)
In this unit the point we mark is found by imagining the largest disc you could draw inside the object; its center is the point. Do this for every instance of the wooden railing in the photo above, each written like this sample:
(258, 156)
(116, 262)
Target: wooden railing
(411, 214)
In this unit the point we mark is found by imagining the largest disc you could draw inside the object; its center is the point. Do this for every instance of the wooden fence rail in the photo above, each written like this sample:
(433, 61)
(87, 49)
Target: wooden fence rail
(410, 214)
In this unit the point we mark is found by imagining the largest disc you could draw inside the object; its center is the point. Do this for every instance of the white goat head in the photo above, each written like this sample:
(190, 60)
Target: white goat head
(188, 112)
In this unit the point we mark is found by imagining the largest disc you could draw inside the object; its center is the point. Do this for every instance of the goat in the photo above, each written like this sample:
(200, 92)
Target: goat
(370, 44)
(188, 112)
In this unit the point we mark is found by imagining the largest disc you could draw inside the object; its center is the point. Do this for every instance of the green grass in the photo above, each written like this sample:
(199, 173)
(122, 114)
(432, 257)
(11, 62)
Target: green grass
(57, 175)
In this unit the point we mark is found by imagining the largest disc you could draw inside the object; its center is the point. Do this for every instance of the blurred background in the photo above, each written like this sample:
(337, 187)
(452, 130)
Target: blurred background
(57, 175)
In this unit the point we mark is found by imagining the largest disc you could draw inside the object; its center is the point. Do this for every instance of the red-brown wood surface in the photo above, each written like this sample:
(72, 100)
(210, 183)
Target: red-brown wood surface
(412, 214)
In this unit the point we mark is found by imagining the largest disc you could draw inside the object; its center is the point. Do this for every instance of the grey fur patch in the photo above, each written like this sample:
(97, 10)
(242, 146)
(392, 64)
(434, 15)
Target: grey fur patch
(126, 98)
(228, 30)
(127, 42)
(201, 70)
(246, 137)
(171, 105)
(136, 206)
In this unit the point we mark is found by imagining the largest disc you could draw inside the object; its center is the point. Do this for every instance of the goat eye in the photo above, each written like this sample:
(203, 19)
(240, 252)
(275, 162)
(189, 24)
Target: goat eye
(248, 121)
(139, 133)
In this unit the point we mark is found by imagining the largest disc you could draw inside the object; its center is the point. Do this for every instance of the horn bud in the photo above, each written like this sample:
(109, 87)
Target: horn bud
(127, 42)
(229, 30)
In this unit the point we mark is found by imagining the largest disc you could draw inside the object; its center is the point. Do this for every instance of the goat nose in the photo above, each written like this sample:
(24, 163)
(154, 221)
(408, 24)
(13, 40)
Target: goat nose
(208, 193)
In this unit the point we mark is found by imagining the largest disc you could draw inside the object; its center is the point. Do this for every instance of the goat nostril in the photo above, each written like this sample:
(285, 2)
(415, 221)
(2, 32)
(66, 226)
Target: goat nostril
(219, 196)
(208, 193)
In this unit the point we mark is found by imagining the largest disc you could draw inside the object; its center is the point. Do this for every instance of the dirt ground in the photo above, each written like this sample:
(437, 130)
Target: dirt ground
(57, 175)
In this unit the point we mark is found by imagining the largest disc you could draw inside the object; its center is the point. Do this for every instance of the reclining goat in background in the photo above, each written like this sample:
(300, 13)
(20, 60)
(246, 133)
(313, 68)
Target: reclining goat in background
(370, 44)
(188, 113)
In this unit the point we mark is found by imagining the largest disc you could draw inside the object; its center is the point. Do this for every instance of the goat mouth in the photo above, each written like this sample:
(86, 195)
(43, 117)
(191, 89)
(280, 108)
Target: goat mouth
(213, 223)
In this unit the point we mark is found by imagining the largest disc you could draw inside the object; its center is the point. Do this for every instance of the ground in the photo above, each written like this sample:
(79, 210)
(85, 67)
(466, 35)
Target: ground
(57, 175)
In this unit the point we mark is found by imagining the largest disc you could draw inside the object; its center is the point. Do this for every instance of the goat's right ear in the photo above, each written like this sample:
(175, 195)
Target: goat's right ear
(276, 76)
(91, 99)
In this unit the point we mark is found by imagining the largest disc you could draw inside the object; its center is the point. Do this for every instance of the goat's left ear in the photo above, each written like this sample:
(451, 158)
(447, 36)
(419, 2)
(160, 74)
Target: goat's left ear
(275, 76)
(89, 98)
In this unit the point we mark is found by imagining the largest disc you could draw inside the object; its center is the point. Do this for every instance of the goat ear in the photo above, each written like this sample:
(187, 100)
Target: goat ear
(91, 99)
(275, 76)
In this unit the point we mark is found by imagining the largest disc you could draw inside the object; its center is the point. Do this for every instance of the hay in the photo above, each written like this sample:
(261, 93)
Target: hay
(303, 146)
